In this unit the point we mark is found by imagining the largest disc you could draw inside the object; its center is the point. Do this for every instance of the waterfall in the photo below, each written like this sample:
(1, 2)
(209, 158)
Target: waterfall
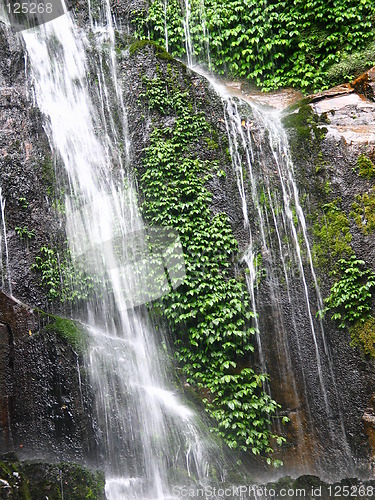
(278, 242)
(188, 40)
(150, 440)
(4, 256)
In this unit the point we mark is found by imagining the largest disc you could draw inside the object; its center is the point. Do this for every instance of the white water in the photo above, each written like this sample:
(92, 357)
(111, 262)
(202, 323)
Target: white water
(189, 48)
(4, 256)
(149, 438)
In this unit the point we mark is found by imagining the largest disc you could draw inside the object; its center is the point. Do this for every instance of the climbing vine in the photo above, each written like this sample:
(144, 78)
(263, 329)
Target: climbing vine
(351, 295)
(210, 312)
(274, 43)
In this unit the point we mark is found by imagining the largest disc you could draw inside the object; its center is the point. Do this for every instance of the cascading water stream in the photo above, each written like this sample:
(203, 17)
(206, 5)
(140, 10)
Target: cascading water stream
(269, 197)
(291, 226)
(188, 41)
(148, 437)
(280, 150)
(4, 256)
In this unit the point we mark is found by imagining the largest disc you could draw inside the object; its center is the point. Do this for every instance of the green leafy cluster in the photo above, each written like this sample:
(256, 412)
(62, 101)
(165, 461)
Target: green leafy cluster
(210, 312)
(351, 295)
(63, 281)
(25, 233)
(274, 43)
(332, 235)
(363, 211)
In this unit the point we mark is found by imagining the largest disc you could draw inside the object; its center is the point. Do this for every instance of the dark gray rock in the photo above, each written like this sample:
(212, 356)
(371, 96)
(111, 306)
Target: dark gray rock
(27, 175)
(46, 409)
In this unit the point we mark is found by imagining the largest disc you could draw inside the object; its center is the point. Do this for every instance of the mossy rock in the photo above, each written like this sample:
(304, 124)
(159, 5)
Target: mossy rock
(37, 480)
(160, 52)
(365, 167)
(332, 236)
(363, 336)
(363, 211)
(71, 331)
(303, 124)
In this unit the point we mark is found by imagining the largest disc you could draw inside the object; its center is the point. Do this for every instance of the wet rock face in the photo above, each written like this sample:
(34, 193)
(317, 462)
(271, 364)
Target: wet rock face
(311, 444)
(327, 171)
(46, 408)
(26, 176)
(368, 419)
(45, 399)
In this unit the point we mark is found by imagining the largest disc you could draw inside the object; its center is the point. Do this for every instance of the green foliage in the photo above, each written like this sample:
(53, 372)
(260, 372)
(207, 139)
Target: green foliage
(274, 43)
(351, 295)
(25, 233)
(363, 336)
(332, 235)
(23, 203)
(363, 211)
(365, 167)
(62, 281)
(210, 312)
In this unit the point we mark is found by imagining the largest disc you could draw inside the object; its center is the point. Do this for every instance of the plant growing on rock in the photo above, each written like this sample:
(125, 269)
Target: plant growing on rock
(351, 295)
(365, 167)
(61, 279)
(210, 312)
(25, 233)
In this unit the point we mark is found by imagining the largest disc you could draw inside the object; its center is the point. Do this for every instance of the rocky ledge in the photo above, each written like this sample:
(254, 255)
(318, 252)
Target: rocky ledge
(37, 480)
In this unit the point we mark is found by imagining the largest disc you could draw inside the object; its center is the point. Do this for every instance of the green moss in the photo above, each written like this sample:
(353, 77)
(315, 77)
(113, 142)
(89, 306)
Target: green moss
(365, 167)
(363, 211)
(160, 52)
(300, 121)
(363, 336)
(332, 235)
(48, 176)
(305, 124)
(69, 330)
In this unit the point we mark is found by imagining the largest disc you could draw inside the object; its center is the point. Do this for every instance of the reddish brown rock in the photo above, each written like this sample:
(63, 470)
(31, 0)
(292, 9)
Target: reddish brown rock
(365, 84)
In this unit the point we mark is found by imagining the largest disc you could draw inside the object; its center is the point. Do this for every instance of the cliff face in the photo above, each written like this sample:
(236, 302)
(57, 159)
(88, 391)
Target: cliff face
(27, 175)
(326, 141)
(46, 405)
(45, 397)
(336, 174)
